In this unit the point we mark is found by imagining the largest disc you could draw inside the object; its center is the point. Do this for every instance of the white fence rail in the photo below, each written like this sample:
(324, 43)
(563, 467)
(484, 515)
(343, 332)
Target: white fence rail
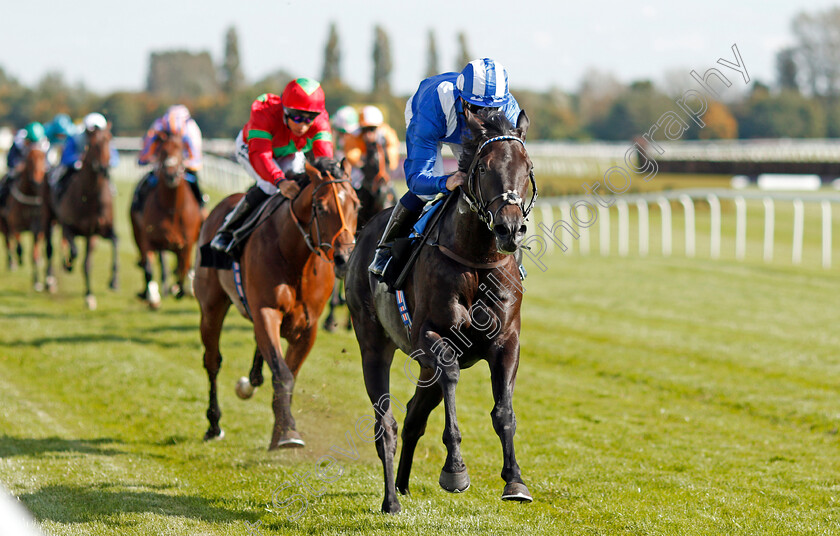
(777, 221)
(218, 173)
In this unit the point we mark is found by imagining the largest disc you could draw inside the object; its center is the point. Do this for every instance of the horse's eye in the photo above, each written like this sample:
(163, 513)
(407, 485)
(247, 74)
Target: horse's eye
(481, 168)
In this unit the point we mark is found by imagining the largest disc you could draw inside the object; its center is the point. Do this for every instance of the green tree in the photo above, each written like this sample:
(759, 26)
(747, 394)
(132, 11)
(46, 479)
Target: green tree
(332, 59)
(632, 113)
(552, 114)
(431, 56)
(382, 64)
(180, 74)
(786, 70)
(231, 72)
(788, 114)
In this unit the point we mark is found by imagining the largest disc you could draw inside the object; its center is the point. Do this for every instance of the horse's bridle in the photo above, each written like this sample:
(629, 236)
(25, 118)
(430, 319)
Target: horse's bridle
(325, 248)
(508, 197)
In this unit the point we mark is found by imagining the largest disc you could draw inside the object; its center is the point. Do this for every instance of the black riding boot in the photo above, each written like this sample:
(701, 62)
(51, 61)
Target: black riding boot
(224, 236)
(196, 190)
(398, 225)
(141, 192)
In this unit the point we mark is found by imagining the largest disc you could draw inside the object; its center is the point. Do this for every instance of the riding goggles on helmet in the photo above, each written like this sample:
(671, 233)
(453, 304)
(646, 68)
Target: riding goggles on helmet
(300, 116)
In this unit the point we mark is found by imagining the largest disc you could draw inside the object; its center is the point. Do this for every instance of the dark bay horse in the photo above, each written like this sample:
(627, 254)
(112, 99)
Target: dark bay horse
(376, 193)
(288, 268)
(168, 220)
(22, 212)
(85, 209)
(464, 299)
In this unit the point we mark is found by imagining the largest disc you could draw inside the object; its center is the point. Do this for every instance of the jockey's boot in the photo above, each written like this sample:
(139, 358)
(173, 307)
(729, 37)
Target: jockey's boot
(398, 225)
(196, 190)
(224, 236)
(201, 197)
(141, 192)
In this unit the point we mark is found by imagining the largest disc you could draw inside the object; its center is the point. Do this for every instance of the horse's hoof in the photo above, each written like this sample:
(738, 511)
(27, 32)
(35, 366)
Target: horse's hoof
(454, 482)
(244, 388)
(289, 440)
(38, 287)
(113, 285)
(391, 507)
(52, 284)
(90, 301)
(153, 295)
(516, 491)
(211, 435)
(329, 326)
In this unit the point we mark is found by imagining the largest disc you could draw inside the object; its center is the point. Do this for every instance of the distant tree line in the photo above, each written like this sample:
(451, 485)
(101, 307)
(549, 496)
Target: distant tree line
(803, 102)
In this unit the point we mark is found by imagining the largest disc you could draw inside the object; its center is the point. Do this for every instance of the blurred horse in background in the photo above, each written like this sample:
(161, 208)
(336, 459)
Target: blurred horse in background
(376, 193)
(22, 212)
(85, 209)
(168, 219)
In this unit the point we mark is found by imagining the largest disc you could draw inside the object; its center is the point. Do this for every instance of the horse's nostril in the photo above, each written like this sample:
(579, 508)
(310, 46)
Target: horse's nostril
(501, 230)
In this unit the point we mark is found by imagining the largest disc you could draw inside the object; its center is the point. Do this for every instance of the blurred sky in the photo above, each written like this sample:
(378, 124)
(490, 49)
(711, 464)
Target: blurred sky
(546, 43)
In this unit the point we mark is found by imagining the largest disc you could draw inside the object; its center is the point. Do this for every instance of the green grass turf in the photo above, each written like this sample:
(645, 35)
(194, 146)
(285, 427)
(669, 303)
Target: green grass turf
(654, 396)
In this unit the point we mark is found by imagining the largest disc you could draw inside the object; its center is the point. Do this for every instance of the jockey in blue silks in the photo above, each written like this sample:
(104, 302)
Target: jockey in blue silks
(434, 115)
(74, 149)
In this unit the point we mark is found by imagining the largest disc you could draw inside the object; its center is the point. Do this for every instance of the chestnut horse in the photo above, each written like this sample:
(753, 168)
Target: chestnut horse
(168, 220)
(376, 194)
(288, 267)
(463, 301)
(85, 209)
(22, 212)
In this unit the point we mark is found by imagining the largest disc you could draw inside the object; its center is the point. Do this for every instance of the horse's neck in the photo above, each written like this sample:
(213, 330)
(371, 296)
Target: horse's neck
(464, 233)
(170, 195)
(293, 244)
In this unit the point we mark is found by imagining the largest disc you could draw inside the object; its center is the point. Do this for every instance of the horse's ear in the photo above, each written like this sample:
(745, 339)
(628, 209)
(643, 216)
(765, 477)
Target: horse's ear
(474, 123)
(346, 167)
(313, 173)
(522, 124)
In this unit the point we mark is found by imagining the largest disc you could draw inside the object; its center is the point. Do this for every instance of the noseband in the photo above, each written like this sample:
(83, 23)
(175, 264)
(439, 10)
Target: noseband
(322, 248)
(475, 198)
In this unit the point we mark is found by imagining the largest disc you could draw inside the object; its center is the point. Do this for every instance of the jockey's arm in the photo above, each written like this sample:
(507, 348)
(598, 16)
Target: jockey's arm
(422, 138)
(261, 157)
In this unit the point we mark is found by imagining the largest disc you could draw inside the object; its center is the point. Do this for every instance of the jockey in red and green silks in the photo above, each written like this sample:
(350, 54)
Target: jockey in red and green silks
(273, 144)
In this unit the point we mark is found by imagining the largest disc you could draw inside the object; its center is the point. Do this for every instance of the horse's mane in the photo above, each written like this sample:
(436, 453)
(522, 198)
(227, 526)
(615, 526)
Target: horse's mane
(494, 123)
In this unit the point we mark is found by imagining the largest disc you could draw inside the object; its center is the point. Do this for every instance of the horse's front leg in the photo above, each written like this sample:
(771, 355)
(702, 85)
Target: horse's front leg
(69, 239)
(503, 365)
(37, 239)
(214, 306)
(49, 278)
(19, 249)
(113, 284)
(427, 396)
(183, 255)
(267, 322)
(454, 476)
(90, 299)
(151, 291)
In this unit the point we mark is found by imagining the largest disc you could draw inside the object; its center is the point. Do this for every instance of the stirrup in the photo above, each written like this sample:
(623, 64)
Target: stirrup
(222, 242)
(380, 262)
